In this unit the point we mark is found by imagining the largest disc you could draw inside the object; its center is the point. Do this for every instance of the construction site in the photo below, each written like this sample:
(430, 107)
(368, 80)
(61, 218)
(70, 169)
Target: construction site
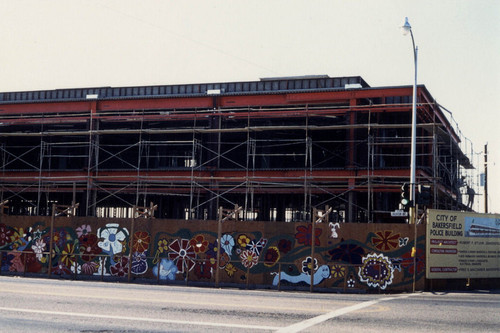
(277, 147)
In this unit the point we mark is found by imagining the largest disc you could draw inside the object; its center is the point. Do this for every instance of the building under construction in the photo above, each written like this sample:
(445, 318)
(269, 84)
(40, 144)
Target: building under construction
(277, 147)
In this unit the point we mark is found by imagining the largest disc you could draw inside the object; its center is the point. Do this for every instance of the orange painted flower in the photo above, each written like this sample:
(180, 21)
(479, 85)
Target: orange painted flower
(141, 241)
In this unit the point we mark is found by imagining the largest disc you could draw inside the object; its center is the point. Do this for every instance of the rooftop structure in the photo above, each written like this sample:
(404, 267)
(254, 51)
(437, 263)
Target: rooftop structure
(278, 147)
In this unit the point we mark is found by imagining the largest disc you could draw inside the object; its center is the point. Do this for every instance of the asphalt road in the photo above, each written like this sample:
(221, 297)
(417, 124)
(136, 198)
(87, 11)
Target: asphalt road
(43, 305)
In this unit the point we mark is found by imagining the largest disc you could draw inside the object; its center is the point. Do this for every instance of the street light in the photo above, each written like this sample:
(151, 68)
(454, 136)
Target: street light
(405, 29)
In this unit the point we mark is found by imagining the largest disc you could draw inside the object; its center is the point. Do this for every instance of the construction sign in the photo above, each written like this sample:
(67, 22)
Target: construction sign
(462, 245)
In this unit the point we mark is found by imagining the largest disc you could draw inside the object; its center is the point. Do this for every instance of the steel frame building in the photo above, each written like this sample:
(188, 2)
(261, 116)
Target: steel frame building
(278, 147)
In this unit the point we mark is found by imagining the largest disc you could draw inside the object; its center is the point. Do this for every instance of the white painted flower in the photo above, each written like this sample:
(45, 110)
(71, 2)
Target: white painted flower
(83, 230)
(112, 238)
(38, 248)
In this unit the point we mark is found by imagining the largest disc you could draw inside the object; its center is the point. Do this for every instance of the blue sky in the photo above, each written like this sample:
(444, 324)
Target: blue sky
(69, 44)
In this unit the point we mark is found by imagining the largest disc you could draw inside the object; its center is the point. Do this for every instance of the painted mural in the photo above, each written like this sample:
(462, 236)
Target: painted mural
(277, 255)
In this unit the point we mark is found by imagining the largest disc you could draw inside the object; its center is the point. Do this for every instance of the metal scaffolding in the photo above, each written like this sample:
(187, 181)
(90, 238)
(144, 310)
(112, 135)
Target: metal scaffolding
(345, 149)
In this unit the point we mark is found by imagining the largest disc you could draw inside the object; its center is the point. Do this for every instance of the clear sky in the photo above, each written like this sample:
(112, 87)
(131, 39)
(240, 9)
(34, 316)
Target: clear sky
(72, 44)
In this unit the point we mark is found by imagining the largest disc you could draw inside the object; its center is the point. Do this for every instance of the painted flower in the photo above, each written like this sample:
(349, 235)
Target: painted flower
(243, 240)
(5, 235)
(139, 263)
(304, 234)
(249, 258)
(83, 230)
(309, 266)
(351, 283)
(230, 269)
(58, 238)
(141, 241)
(213, 248)
(89, 247)
(199, 244)
(165, 270)
(227, 243)
(348, 253)
(376, 271)
(89, 268)
(338, 271)
(38, 247)
(182, 254)
(256, 246)
(120, 268)
(162, 248)
(113, 236)
(271, 256)
(61, 269)
(17, 239)
(68, 257)
(408, 262)
(386, 240)
(284, 245)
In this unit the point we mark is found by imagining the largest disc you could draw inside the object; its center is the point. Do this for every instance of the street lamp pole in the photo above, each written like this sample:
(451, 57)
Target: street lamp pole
(406, 28)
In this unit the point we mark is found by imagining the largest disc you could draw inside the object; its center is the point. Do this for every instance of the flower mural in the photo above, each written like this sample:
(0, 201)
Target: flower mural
(182, 254)
(304, 235)
(77, 249)
(376, 271)
(386, 240)
(165, 270)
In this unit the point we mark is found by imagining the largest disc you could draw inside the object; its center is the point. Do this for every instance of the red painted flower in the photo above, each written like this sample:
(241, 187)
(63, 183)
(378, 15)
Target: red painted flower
(89, 247)
(120, 269)
(386, 240)
(303, 235)
(182, 253)
(199, 244)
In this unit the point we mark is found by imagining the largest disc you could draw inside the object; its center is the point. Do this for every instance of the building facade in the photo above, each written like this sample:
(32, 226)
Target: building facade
(277, 147)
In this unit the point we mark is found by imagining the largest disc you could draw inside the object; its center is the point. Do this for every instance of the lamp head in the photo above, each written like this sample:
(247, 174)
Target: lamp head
(406, 28)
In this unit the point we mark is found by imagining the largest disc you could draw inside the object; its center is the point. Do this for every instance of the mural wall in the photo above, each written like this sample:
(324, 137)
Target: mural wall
(257, 254)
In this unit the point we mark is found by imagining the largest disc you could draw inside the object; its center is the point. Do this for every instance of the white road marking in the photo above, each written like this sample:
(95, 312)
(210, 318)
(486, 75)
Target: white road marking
(336, 313)
(149, 320)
